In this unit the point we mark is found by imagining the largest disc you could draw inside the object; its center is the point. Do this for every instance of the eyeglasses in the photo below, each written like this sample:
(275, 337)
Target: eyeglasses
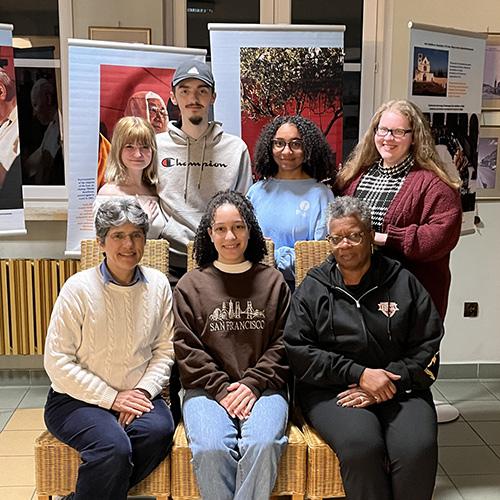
(396, 132)
(237, 229)
(294, 145)
(353, 239)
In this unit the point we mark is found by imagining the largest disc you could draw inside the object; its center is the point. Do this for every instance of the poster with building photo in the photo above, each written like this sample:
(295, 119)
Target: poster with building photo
(11, 194)
(106, 81)
(445, 81)
(264, 71)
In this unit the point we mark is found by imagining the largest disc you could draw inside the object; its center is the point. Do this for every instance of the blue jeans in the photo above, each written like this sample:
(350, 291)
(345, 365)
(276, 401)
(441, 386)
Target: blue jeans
(113, 458)
(235, 459)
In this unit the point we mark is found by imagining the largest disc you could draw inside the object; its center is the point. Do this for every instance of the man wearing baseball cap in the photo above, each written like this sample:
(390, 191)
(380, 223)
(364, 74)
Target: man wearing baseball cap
(196, 159)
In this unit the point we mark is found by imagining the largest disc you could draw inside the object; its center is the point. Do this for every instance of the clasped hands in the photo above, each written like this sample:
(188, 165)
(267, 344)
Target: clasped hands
(375, 386)
(131, 404)
(239, 402)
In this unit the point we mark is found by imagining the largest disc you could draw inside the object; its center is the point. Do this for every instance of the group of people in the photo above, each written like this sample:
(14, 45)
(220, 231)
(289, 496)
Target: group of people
(360, 336)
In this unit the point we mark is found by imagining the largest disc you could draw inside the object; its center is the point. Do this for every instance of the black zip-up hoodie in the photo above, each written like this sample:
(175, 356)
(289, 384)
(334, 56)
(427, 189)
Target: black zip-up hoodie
(388, 321)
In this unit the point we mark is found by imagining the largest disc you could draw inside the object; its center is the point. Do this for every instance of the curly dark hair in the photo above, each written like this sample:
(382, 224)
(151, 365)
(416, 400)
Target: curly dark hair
(318, 156)
(204, 250)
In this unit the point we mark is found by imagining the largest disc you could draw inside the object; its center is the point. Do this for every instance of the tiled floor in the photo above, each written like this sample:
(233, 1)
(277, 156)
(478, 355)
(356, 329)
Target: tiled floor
(469, 448)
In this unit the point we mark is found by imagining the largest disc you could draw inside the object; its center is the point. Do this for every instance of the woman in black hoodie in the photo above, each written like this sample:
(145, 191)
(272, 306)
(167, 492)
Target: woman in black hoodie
(362, 337)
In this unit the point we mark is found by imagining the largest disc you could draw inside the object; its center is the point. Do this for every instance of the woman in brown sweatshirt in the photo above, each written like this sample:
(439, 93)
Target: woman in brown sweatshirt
(230, 314)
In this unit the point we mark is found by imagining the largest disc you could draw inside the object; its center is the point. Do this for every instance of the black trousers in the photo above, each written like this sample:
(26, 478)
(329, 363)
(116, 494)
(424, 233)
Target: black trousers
(387, 451)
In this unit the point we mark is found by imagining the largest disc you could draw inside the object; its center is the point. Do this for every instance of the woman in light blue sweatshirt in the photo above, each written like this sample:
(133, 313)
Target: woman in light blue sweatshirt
(292, 157)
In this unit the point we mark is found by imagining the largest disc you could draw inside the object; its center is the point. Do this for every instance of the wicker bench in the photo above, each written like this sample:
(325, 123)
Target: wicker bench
(291, 478)
(56, 470)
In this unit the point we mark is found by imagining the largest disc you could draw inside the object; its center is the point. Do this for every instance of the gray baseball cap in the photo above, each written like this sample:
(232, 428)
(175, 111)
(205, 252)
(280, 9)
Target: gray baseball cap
(193, 69)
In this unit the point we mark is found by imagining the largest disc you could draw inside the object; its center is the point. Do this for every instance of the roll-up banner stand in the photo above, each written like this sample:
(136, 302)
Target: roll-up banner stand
(103, 78)
(262, 71)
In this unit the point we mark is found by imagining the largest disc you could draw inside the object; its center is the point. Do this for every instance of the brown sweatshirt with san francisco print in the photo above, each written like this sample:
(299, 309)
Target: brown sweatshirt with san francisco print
(229, 328)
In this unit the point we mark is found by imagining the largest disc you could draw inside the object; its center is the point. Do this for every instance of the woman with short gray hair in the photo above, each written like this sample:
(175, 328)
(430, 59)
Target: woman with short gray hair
(108, 354)
(347, 206)
(117, 212)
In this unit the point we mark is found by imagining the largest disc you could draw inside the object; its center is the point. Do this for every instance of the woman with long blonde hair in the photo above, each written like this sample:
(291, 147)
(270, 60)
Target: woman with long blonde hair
(415, 204)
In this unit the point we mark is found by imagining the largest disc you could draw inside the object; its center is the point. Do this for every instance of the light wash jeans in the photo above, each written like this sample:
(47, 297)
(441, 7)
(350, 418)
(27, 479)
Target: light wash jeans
(235, 459)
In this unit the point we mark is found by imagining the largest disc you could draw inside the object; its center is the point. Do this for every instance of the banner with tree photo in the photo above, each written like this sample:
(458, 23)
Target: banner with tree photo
(264, 71)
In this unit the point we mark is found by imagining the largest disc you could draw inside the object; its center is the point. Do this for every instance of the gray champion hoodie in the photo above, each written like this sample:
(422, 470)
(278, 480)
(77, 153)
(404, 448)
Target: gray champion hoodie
(190, 172)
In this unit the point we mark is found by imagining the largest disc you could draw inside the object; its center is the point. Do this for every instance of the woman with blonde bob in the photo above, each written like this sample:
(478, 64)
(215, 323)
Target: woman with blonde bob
(131, 170)
(415, 204)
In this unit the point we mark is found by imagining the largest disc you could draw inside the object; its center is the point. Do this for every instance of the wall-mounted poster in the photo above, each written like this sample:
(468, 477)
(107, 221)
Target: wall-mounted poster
(264, 71)
(488, 179)
(491, 78)
(120, 34)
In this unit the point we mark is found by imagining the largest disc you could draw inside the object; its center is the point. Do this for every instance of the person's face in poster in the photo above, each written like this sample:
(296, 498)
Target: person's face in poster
(158, 116)
(393, 146)
(194, 99)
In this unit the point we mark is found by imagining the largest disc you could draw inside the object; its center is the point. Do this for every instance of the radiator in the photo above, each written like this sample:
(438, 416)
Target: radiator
(28, 290)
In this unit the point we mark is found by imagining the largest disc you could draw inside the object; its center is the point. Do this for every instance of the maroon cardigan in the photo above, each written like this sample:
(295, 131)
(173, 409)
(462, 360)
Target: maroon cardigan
(423, 225)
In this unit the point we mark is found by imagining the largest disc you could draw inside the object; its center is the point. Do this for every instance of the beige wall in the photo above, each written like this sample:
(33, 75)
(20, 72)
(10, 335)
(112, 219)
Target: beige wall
(475, 261)
(140, 14)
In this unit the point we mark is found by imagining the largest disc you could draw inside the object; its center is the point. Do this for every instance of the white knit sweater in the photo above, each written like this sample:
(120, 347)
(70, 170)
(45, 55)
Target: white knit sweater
(103, 339)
